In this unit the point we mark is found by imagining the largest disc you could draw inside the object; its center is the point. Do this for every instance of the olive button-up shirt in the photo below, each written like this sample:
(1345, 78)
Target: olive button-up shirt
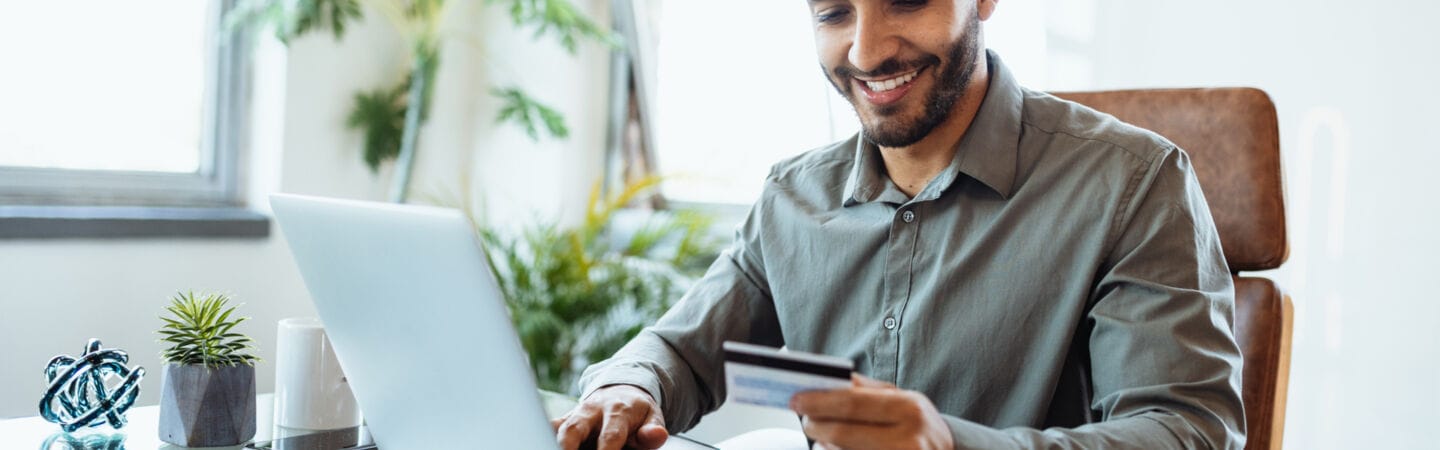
(1059, 285)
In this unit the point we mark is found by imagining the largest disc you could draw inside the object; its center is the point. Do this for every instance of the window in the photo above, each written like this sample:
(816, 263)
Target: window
(728, 108)
(120, 103)
(122, 119)
(738, 88)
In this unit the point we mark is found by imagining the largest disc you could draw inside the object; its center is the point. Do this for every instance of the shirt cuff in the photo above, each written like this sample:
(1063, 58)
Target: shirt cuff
(633, 376)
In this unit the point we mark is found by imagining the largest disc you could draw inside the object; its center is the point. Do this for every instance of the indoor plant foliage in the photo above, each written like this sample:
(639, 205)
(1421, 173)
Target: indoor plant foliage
(577, 294)
(390, 116)
(208, 397)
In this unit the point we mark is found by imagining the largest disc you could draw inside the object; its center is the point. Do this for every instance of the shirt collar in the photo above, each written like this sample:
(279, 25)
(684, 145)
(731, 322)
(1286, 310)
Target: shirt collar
(986, 153)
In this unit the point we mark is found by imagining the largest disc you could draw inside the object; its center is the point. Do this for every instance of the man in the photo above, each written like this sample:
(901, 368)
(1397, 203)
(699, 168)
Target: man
(1007, 270)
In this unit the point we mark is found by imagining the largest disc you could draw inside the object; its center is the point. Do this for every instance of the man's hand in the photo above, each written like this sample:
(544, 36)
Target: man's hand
(872, 415)
(614, 416)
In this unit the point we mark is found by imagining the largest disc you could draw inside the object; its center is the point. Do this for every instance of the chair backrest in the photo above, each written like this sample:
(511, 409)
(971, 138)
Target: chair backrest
(1232, 137)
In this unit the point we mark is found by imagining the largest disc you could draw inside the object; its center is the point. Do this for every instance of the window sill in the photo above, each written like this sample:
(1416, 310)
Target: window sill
(49, 222)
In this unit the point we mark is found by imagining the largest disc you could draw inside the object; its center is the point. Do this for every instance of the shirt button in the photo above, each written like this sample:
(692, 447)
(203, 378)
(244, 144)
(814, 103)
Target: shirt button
(908, 217)
(889, 323)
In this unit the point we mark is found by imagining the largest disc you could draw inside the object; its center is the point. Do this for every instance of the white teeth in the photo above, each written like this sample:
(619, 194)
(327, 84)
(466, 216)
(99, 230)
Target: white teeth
(882, 86)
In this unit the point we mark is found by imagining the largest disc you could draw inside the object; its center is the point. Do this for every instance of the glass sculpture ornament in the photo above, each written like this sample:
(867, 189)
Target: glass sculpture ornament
(78, 395)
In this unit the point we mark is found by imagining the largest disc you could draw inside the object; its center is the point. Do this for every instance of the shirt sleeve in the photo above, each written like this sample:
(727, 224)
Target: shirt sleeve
(676, 360)
(1165, 366)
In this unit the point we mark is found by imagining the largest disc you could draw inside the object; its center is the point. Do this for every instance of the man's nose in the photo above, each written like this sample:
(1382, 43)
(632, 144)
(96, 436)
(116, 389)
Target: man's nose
(874, 42)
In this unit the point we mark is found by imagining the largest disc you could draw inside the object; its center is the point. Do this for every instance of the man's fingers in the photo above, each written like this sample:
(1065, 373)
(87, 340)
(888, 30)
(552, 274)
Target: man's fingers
(871, 415)
(651, 434)
(611, 417)
(879, 406)
(851, 434)
(616, 430)
(654, 418)
(574, 428)
(859, 380)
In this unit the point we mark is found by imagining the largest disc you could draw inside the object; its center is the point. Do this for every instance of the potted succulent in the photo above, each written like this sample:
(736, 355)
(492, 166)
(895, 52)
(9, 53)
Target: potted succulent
(208, 395)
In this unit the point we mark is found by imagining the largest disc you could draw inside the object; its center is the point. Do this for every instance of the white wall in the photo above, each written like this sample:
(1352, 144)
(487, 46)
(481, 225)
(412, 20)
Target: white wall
(55, 294)
(1353, 84)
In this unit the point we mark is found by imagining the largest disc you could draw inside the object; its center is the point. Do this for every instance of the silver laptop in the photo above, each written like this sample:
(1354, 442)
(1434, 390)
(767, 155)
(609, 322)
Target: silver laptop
(418, 324)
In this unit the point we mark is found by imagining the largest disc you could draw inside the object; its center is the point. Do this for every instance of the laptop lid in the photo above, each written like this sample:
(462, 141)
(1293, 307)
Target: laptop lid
(417, 321)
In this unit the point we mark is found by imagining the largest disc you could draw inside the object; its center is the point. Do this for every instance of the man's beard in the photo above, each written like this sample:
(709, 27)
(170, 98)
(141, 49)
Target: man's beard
(886, 129)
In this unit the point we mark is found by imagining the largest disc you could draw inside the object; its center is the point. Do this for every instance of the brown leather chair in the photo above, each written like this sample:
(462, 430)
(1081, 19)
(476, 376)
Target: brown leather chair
(1232, 136)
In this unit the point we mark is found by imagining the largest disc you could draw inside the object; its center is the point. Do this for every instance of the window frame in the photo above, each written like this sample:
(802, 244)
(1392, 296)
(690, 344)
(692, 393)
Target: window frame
(215, 184)
(636, 21)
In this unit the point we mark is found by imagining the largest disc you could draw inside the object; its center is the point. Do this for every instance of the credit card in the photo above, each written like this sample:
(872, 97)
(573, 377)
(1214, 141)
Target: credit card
(766, 376)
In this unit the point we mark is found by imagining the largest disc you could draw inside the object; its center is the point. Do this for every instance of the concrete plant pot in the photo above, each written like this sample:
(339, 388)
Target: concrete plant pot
(205, 407)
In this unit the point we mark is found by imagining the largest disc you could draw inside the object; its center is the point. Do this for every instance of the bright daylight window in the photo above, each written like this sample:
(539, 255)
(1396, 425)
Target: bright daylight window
(118, 103)
(739, 87)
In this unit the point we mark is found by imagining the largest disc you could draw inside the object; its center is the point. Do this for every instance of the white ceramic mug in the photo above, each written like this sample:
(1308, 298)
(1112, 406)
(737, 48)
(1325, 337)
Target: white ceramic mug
(311, 392)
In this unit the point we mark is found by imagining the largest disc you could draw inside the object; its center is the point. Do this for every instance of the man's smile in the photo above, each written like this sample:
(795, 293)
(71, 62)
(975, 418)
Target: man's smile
(885, 91)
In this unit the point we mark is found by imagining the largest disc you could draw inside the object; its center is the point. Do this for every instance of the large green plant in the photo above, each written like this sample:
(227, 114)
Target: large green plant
(389, 116)
(577, 294)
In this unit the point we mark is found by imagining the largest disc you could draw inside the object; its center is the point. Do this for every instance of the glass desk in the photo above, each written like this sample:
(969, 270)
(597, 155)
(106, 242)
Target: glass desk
(141, 433)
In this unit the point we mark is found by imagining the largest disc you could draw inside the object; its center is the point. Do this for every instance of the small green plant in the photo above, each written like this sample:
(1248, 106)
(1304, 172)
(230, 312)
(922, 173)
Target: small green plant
(200, 331)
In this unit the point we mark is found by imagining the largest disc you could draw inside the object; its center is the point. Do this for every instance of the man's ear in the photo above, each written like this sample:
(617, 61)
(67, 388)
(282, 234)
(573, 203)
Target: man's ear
(985, 8)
